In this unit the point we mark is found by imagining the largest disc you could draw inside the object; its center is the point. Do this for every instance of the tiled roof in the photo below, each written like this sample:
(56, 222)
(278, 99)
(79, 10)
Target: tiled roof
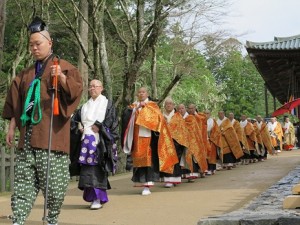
(279, 43)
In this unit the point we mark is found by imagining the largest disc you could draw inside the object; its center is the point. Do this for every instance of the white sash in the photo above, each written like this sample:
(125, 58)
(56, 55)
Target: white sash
(91, 111)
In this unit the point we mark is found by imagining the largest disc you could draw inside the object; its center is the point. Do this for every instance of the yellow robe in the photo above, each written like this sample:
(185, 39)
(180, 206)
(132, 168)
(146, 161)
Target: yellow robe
(150, 117)
(277, 134)
(229, 140)
(241, 136)
(265, 136)
(196, 143)
(251, 136)
(179, 132)
(289, 137)
(201, 118)
(214, 142)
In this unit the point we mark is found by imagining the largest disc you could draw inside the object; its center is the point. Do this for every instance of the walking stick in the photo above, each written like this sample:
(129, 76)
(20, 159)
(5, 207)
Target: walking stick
(54, 112)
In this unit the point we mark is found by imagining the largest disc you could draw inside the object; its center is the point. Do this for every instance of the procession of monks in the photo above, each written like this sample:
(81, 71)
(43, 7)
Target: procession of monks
(179, 142)
(222, 143)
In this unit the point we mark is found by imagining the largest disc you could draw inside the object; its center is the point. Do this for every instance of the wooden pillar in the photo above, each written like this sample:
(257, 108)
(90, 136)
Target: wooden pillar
(266, 101)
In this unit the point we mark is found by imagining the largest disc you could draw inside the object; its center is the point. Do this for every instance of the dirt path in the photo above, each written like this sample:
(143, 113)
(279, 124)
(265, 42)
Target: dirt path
(183, 205)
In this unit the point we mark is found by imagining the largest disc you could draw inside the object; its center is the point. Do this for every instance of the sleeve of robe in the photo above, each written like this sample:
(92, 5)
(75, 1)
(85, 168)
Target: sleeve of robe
(68, 101)
(13, 103)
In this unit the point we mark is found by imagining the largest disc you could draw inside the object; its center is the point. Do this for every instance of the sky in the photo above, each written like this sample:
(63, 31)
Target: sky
(261, 20)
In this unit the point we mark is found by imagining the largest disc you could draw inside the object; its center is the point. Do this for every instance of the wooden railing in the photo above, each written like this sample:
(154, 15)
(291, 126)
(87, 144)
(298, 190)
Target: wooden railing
(7, 162)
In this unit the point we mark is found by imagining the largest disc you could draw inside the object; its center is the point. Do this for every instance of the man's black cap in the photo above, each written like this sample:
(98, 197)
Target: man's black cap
(37, 25)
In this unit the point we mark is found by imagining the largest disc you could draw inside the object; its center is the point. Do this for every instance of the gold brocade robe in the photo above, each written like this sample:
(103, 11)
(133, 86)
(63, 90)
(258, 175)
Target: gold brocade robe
(196, 143)
(266, 138)
(257, 132)
(214, 142)
(241, 135)
(179, 132)
(202, 119)
(289, 137)
(178, 129)
(151, 118)
(277, 134)
(251, 136)
(229, 140)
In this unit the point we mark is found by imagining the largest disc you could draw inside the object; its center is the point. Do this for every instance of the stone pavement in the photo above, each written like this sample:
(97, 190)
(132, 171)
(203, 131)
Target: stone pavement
(266, 209)
(224, 193)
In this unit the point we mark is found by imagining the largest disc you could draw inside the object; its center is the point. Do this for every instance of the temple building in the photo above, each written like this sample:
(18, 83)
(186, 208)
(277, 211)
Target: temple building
(278, 62)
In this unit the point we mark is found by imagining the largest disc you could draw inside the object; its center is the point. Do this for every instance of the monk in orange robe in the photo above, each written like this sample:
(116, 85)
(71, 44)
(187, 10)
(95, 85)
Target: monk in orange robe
(214, 138)
(289, 134)
(195, 144)
(180, 135)
(276, 133)
(202, 124)
(251, 137)
(260, 146)
(148, 141)
(242, 138)
(230, 144)
(265, 136)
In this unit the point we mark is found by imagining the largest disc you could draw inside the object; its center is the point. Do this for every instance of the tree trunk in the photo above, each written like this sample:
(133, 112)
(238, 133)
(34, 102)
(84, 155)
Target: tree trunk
(144, 47)
(2, 29)
(170, 87)
(84, 29)
(140, 23)
(154, 73)
(107, 83)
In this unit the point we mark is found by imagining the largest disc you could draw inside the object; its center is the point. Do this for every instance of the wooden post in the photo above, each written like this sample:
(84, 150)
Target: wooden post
(3, 180)
(266, 101)
(12, 168)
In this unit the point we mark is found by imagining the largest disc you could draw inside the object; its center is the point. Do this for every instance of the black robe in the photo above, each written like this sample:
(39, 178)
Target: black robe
(95, 176)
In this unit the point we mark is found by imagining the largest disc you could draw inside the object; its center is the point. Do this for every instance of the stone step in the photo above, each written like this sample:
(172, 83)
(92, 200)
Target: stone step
(296, 190)
(291, 202)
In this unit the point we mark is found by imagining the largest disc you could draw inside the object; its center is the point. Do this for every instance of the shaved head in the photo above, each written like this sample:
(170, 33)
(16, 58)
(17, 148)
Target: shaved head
(181, 109)
(40, 45)
(142, 94)
(45, 34)
(169, 105)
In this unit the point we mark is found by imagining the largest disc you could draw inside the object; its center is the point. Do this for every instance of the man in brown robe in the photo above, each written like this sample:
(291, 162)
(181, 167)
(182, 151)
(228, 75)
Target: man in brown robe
(31, 114)
(230, 144)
